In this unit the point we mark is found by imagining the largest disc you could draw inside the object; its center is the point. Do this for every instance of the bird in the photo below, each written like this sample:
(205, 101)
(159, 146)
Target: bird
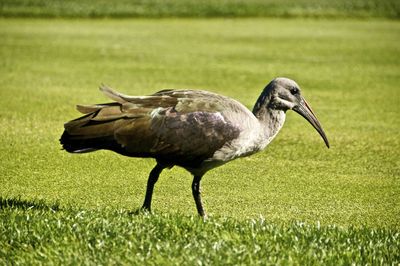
(197, 130)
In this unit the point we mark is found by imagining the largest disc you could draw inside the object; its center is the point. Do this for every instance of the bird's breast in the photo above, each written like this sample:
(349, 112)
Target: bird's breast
(248, 141)
(254, 136)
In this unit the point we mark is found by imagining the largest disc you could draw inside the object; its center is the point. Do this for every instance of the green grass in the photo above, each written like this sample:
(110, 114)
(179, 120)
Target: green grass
(348, 70)
(34, 232)
(200, 8)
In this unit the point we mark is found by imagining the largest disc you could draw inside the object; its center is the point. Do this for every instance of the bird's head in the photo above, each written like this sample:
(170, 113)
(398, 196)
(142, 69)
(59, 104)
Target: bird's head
(284, 94)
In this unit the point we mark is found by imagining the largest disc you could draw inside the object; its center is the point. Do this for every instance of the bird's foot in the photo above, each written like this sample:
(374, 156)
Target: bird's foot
(140, 211)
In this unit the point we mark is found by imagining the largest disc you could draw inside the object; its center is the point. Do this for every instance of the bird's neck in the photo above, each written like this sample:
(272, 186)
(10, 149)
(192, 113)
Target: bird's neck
(271, 120)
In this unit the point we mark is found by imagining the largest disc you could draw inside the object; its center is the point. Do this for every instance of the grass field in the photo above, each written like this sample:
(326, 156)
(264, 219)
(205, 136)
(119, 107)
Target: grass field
(36, 232)
(349, 72)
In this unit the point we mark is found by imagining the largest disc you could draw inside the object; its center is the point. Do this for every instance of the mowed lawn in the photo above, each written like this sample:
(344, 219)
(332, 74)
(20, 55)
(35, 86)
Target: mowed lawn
(349, 73)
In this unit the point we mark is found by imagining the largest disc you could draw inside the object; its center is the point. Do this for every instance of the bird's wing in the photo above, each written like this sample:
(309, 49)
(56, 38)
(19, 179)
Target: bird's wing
(174, 126)
(183, 126)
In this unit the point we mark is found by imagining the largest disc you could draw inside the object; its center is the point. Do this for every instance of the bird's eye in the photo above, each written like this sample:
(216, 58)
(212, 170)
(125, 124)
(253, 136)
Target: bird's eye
(294, 90)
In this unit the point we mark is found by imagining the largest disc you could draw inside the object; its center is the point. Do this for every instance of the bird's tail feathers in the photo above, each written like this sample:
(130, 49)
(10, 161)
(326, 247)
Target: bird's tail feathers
(95, 130)
(75, 144)
(86, 134)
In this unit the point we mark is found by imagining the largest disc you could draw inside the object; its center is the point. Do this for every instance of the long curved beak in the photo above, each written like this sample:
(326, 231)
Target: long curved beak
(305, 111)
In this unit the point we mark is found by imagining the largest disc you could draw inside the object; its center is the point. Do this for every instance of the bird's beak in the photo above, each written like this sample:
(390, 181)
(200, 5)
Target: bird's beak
(305, 111)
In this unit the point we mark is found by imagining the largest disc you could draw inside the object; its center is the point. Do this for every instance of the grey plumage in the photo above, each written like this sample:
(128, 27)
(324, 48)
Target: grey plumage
(197, 130)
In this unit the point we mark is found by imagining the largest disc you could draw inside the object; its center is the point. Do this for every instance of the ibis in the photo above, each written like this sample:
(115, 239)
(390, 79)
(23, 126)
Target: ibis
(194, 129)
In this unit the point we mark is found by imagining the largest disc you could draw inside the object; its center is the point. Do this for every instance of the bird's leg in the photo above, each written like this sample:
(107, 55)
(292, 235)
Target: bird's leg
(196, 195)
(153, 177)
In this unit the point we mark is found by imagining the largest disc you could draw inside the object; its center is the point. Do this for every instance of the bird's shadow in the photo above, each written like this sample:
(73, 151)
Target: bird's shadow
(40, 204)
(18, 203)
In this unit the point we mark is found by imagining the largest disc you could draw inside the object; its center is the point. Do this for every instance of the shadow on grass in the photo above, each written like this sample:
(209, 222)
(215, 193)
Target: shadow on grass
(18, 203)
(40, 204)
